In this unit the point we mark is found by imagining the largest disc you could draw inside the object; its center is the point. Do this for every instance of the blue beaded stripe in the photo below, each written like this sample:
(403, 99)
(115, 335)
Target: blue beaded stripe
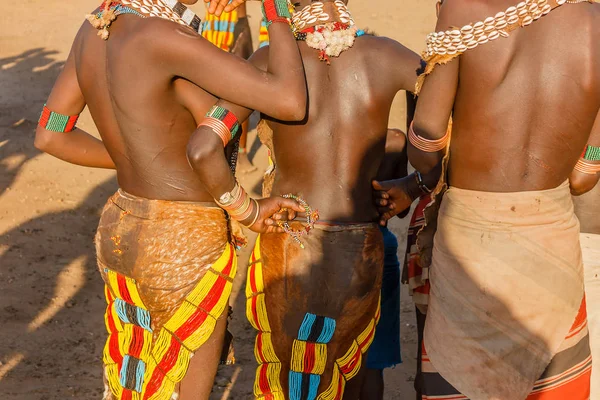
(132, 373)
(131, 314)
(306, 327)
(316, 329)
(303, 386)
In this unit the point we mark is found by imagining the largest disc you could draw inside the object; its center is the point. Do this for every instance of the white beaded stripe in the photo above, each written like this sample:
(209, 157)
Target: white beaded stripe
(162, 9)
(456, 41)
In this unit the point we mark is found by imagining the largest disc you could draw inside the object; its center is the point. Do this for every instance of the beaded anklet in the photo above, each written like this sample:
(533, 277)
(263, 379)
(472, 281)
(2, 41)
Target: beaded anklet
(277, 11)
(56, 122)
(239, 205)
(427, 145)
(223, 122)
(312, 216)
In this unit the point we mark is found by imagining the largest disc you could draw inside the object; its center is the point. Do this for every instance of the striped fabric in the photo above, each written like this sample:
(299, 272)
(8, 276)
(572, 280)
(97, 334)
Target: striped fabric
(263, 34)
(567, 377)
(219, 30)
(141, 364)
(413, 274)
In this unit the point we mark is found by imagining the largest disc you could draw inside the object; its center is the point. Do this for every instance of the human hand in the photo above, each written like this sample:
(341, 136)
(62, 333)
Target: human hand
(391, 198)
(272, 210)
(217, 7)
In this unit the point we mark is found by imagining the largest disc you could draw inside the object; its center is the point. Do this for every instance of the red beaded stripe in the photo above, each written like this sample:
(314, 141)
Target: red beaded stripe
(123, 291)
(309, 357)
(137, 342)
(127, 395)
(167, 362)
(349, 366)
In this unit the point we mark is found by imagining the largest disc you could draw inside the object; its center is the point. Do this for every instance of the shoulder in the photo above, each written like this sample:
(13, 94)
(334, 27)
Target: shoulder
(457, 13)
(163, 34)
(389, 49)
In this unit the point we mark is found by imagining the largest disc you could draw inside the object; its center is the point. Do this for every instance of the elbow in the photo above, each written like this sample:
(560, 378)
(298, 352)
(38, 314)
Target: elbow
(582, 183)
(43, 140)
(293, 107)
(201, 150)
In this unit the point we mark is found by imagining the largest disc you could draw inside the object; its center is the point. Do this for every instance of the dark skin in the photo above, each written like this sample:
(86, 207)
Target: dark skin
(147, 89)
(512, 129)
(331, 157)
(395, 163)
(146, 96)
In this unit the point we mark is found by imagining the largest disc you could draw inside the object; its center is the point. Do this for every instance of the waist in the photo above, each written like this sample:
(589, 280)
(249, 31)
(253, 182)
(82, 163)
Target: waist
(516, 208)
(150, 208)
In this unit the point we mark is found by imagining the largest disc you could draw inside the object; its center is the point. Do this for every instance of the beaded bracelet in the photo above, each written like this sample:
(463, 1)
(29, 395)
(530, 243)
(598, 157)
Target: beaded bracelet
(427, 145)
(587, 167)
(311, 218)
(56, 122)
(276, 11)
(591, 153)
(223, 122)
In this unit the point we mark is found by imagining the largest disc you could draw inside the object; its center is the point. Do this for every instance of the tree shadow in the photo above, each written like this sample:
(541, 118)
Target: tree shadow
(52, 306)
(25, 80)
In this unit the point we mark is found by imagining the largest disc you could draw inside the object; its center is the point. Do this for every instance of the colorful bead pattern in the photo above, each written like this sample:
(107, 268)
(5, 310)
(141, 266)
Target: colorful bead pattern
(227, 117)
(349, 364)
(219, 30)
(263, 34)
(267, 384)
(309, 363)
(331, 35)
(591, 153)
(135, 368)
(167, 9)
(56, 122)
(309, 356)
(312, 216)
(276, 11)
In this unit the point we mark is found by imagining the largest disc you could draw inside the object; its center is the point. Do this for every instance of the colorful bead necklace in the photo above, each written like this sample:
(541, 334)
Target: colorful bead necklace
(330, 35)
(312, 216)
(171, 10)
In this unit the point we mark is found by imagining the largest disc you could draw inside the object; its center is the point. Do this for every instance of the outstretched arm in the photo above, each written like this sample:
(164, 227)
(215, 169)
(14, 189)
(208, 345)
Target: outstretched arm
(584, 182)
(280, 91)
(76, 146)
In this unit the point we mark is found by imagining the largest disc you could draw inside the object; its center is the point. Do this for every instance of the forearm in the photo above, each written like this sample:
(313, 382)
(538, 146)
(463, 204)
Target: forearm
(428, 182)
(207, 158)
(76, 147)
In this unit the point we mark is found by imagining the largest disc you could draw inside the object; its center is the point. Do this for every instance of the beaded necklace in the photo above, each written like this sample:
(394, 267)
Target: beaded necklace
(312, 216)
(444, 46)
(331, 35)
(171, 10)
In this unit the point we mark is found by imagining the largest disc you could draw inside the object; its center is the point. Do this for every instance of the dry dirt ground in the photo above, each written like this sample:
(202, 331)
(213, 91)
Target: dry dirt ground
(51, 302)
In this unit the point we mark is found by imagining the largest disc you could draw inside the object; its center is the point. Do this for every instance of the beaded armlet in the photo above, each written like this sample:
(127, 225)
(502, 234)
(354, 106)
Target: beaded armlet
(56, 122)
(277, 11)
(591, 153)
(223, 122)
(443, 47)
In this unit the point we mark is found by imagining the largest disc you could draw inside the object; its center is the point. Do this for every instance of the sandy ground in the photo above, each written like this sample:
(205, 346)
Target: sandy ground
(51, 302)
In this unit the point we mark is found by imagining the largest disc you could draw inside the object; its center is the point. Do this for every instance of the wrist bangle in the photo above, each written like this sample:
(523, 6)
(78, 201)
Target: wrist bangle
(421, 184)
(257, 207)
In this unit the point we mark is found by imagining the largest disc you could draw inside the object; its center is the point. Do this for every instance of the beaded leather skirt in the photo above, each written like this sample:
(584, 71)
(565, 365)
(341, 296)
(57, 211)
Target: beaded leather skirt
(315, 309)
(168, 268)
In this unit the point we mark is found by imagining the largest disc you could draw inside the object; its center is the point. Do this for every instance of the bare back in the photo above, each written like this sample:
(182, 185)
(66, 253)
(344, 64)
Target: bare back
(145, 117)
(526, 104)
(331, 158)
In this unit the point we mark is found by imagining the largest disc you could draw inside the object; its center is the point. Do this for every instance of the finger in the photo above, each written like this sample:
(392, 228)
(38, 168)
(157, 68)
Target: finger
(269, 222)
(291, 204)
(291, 215)
(233, 5)
(382, 202)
